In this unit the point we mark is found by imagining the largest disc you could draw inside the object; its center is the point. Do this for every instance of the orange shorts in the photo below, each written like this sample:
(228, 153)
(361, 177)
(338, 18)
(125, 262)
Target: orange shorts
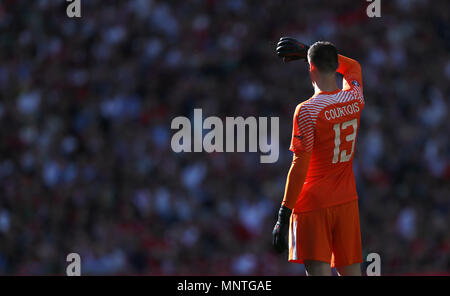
(329, 235)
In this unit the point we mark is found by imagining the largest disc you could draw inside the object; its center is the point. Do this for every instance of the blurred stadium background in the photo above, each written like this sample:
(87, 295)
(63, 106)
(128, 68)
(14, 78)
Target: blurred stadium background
(85, 111)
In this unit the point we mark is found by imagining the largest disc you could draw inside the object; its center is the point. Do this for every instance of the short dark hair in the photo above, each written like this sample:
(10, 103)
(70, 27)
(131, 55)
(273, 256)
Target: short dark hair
(323, 55)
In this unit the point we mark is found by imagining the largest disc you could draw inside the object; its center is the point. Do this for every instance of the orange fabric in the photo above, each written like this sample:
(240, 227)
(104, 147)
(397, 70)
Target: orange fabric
(330, 235)
(295, 178)
(351, 71)
(326, 125)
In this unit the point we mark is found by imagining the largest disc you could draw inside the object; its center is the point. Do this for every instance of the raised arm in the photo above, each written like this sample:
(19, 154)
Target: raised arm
(351, 70)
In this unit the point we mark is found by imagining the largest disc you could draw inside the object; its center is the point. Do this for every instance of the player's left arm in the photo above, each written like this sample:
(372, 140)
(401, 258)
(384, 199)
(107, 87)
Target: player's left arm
(301, 144)
(294, 184)
(296, 177)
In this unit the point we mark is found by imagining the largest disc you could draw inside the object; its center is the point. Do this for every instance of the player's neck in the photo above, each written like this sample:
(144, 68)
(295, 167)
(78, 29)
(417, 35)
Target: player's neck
(327, 84)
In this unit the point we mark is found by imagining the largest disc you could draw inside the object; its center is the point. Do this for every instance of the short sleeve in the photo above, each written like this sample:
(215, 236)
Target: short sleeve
(302, 130)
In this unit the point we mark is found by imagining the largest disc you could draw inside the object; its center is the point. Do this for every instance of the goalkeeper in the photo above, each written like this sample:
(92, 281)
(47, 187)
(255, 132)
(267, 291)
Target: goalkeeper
(319, 212)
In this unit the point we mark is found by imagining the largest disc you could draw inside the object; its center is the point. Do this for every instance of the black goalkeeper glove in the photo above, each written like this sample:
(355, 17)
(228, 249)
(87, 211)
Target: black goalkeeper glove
(290, 49)
(281, 229)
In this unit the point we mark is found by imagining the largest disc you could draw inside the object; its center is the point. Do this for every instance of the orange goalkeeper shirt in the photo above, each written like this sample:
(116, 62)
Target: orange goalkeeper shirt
(326, 125)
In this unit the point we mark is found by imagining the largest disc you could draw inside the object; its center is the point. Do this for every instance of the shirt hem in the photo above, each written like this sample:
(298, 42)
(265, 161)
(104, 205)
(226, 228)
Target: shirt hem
(298, 211)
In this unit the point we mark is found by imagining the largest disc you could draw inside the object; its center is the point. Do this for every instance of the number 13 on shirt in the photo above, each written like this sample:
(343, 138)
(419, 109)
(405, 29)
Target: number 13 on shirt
(337, 140)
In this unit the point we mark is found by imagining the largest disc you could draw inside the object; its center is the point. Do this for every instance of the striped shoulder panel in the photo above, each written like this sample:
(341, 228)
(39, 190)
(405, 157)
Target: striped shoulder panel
(319, 102)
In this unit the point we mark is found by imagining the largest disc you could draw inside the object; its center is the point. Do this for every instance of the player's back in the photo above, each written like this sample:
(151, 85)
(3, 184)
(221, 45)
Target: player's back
(327, 126)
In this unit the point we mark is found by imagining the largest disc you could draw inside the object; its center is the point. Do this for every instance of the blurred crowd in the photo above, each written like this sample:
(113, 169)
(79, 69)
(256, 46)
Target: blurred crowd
(86, 105)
